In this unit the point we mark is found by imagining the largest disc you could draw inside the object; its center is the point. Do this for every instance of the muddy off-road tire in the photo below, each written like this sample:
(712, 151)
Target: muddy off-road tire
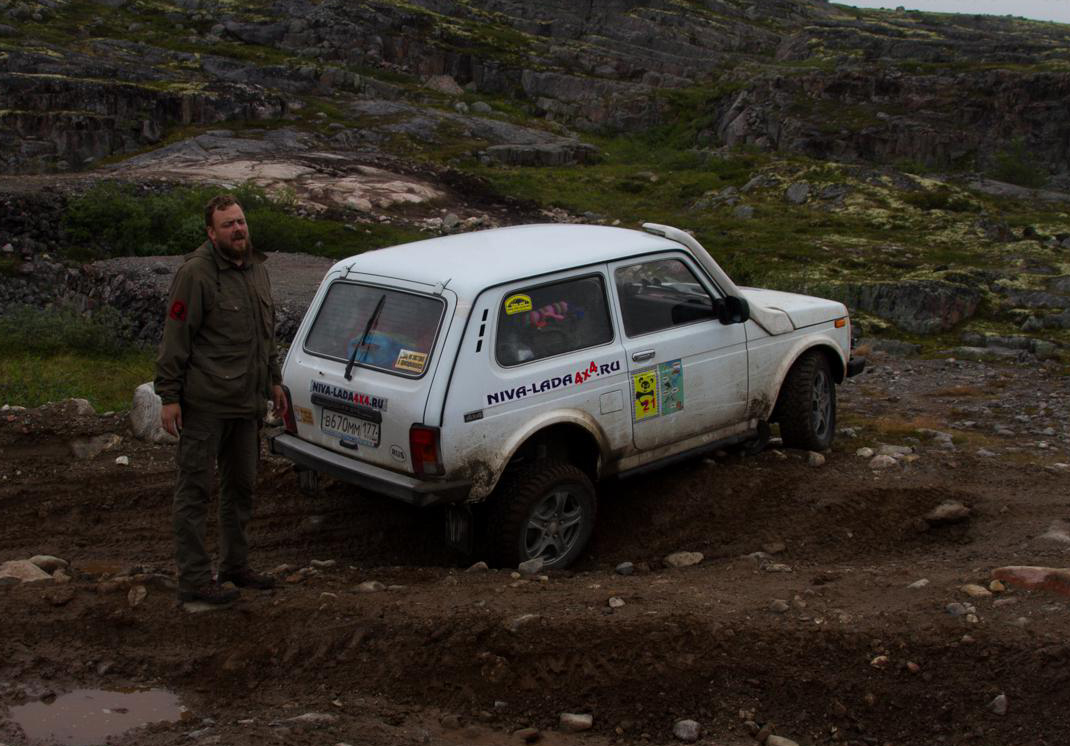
(807, 407)
(546, 508)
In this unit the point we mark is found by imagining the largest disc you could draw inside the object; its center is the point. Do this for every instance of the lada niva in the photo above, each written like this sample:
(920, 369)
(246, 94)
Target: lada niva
(503, 373)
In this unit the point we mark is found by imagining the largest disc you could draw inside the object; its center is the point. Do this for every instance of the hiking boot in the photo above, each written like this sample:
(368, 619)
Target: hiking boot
(247, 578)
(210, 593)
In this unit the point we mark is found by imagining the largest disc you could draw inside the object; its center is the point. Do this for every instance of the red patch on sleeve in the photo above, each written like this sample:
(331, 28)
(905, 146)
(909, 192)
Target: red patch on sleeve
(178, 311)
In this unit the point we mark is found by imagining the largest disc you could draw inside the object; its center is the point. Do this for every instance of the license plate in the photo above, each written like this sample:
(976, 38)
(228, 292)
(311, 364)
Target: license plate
(350, 429)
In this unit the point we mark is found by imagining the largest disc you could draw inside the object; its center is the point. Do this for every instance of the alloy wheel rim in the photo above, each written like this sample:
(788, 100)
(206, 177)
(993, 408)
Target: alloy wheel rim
(821, 404)
(553, 527)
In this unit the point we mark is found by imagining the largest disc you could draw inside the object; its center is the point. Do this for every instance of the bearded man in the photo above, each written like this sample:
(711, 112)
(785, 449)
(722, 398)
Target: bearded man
(216, 369)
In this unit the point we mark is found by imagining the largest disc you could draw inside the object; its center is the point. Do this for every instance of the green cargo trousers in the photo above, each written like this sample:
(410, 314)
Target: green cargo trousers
(233, 444)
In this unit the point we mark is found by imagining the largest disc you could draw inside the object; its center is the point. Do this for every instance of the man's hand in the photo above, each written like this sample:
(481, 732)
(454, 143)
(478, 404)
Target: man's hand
(278, 401)
(171, 418)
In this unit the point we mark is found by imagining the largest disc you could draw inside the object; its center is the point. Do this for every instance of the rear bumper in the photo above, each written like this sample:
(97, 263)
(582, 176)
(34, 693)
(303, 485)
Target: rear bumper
(366, 476)
(855, 366)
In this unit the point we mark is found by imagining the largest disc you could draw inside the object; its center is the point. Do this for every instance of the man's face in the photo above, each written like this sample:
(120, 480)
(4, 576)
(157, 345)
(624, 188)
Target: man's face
(229, 232)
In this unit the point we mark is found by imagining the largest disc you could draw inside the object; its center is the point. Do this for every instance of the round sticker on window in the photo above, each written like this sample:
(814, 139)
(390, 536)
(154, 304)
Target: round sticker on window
(517, 304)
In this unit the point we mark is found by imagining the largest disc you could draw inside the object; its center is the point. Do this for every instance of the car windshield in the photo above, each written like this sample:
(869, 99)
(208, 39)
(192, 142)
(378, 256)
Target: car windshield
(395, 330)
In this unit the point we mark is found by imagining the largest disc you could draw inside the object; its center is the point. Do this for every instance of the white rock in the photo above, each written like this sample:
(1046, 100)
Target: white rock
(616, 602)
(314, 717)
(864, 452)
(985, 453)
(686, 730)
(24, 571)
(896, 452)
(323, 564)
(83, 407)
(514, 625)
(145, 416)
(575, 722)
(88, 448)
(881, 462)
(136, 595)
(625, 568)
(949, 511)
(48, 563)
(815, 459)
(918, 584)
(779, 741)
(999, 705)
(370, 586)
(683, 559)
(776, 567)
(480, 566)
(122, 460)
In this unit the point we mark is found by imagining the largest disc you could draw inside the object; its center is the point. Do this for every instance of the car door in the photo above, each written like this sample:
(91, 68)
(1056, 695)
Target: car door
(687, 369)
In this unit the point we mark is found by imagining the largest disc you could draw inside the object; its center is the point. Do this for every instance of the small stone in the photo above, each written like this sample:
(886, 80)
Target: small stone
(24, 571)
(61, 577)
(516, 623)
(917, 584)
(976, 591)
(625, 568)
(778, 606)
(683, 559)
(864, 452)
(881, 462)
(532, 566)
(323, 564)
(575, 723)
(480, 566)
(895, 452)
(999, 705)
(48, 563)
(996, 586)
(450, 722)
(686, 730)
(616, 602)
(880, 662)
(913, 667)
(122, 460)
(1005, 601)
(949, 511)
(527, 735)
(136, 595)
(815, 459)
(314, 718)
(779, 741)
(956, 609)
(776, 567)
(370, 586)
(985, 453)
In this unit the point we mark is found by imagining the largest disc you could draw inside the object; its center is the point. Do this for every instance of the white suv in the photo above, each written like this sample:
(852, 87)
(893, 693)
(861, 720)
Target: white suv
(502, 373)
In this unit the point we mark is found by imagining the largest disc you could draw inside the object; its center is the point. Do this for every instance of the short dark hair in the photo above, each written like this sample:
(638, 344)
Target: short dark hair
(218, 202)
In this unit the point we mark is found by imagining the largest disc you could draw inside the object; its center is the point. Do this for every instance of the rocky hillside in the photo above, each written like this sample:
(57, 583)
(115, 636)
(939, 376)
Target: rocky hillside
(865, 155)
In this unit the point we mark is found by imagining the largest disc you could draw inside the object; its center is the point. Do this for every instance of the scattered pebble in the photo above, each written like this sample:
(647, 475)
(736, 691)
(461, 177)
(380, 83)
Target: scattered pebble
(480, 566)
(323, 564)
(686, 731)
(815, 459)
(779, 741)
(778, 606)
(918, 584)
(625, 568)
(996, 586)
(370, 586)
(527, 735)
(949, 511)
(976, 591)
(683, 559)
(881, 662)
(864, 452)
(616, 602)
(999, 705)
(136, 595)
(122, 460)
(532, 566)
(881, 462)
(575, 722)
(513, 625)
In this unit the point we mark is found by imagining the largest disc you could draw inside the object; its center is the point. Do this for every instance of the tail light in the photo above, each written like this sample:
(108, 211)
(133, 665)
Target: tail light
(423, 445)
(288, 418)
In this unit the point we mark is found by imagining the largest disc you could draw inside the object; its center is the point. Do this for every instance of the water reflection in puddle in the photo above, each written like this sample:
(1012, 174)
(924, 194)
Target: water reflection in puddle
(86, 717)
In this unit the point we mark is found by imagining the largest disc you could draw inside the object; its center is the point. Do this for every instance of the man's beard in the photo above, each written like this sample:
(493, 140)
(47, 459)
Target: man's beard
(230, 252)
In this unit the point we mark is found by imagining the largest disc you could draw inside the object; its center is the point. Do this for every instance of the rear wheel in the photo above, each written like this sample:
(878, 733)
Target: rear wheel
(545, 509)
(807, 407)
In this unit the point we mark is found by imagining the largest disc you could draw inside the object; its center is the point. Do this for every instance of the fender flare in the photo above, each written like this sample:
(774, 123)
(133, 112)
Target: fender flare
(804, 345)
(533, 427)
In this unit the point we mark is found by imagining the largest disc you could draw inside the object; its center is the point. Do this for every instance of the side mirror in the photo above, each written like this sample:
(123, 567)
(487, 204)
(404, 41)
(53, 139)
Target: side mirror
(733, 310)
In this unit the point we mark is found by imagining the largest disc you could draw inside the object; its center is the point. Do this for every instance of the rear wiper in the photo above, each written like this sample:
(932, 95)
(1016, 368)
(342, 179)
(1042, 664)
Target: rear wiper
(367, 328)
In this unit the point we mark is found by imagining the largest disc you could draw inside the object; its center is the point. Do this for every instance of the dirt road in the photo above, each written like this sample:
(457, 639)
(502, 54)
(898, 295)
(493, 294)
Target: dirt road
(820, 637)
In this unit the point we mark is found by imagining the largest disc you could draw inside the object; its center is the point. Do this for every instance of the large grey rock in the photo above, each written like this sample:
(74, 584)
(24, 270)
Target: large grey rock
(919, 306)
(556, 154)
(687, 731)
(145, 416)
(798, 193)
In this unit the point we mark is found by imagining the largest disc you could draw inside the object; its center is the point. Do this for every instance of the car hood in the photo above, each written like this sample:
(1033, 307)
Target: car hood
(803, 310)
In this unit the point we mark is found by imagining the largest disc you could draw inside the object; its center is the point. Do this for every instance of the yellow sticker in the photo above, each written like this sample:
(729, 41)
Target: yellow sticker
(645, 389)
(411, 361)
(517, 304)
(304, 415)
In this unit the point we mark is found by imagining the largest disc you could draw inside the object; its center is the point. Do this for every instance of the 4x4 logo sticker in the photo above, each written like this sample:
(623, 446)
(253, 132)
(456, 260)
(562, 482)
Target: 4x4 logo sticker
(594, 370)
(517, 304)
(341, 394)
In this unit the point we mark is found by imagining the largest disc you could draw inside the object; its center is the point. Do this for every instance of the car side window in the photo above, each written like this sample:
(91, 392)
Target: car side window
(552, 319)
(660, 294)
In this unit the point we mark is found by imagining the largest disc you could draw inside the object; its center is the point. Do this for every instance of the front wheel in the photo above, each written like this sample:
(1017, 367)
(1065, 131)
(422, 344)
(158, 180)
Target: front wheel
(807, 408)
(545, 509)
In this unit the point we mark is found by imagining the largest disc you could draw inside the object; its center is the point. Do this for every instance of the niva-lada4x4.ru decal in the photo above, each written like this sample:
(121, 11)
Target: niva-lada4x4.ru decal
(552, 383)
(345, 395)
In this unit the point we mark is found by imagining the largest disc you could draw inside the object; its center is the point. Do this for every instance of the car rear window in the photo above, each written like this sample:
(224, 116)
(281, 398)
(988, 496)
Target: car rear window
(391, 330)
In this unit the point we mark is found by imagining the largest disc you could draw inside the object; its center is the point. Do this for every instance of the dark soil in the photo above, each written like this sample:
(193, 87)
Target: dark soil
(440, 656)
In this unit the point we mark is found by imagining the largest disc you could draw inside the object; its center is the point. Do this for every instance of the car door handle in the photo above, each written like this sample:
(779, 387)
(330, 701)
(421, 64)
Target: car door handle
(644, 355)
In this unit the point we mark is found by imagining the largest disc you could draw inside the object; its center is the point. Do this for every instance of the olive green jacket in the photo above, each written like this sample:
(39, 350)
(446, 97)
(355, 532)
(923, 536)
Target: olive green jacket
(218, 352)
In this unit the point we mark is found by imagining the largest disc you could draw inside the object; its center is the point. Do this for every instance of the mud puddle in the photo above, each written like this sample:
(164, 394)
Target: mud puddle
(88, 717)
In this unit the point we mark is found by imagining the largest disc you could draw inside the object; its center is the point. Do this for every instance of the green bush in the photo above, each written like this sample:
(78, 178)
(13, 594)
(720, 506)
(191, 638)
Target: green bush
(940, 199)
(1016, 166)
(63, 330)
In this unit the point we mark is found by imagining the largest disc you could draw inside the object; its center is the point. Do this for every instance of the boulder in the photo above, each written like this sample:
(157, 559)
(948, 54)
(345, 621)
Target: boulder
(1052, 579)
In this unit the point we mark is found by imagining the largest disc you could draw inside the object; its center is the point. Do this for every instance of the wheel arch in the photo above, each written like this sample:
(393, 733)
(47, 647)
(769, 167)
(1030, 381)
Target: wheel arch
(572, 436)
(833, 356)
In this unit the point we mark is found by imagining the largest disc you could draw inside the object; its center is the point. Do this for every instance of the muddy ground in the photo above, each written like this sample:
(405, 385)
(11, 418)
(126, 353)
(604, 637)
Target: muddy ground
(444, 656)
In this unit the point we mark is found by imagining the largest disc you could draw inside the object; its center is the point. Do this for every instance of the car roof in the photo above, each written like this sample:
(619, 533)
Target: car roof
(469, 262)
